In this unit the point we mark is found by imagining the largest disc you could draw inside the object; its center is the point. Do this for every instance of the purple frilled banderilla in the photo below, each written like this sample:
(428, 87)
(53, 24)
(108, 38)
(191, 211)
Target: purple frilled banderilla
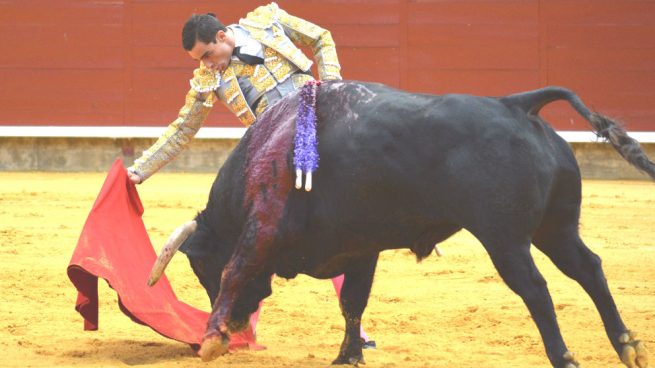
(305, 158)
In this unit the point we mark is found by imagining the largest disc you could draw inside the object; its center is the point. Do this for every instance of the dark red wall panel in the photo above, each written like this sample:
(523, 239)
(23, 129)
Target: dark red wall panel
(74, 62)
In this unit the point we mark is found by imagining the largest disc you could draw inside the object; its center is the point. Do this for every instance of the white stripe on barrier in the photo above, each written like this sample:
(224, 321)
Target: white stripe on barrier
(217, 133)
(586, 137)
(111, 132)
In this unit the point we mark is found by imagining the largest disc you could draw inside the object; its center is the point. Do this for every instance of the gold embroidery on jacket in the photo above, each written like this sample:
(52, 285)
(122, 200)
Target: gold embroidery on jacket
(233, 96)
(205, 79)
(280, 68)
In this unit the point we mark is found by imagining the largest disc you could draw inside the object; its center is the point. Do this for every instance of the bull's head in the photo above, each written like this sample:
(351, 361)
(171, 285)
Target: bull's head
(208, 254)
(204, 255)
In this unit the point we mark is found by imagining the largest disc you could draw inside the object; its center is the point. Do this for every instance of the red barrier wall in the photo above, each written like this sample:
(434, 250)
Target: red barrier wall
(105, 63)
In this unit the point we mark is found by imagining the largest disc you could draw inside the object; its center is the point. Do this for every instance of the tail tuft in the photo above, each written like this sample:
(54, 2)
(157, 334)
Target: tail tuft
(613, 132)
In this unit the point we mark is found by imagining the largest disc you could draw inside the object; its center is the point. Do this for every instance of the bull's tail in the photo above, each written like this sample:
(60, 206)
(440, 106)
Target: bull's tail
(610, 130)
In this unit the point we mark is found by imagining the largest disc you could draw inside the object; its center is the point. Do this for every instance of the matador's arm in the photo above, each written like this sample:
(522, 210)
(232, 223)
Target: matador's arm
(175, 139)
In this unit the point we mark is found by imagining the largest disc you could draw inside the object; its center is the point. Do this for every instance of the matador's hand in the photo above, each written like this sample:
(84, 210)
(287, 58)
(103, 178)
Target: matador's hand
(134, 178)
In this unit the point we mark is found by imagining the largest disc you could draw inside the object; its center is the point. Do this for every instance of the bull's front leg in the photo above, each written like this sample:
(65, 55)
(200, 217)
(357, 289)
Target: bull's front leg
(354, 297)
(248, 261)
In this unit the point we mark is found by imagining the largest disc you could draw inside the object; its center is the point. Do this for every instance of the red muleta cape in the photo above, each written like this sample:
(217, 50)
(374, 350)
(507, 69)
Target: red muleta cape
(115, 246)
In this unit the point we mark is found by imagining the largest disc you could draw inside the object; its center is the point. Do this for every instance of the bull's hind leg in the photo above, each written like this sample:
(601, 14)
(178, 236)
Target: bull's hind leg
(559, 240)
(515, 265)
(354, 297)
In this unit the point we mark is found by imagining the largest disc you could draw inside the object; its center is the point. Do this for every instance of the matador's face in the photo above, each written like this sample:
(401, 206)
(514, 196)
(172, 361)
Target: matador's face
(214, 55)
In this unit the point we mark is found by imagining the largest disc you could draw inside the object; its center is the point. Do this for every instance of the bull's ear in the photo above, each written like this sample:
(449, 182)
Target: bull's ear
(199, 244)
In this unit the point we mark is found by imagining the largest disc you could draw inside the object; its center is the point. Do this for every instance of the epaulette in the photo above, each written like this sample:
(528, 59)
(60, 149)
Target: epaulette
(205, 80)
(263, 17)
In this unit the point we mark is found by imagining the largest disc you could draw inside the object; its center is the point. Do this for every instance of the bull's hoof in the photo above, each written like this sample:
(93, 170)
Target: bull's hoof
(353, 360)
(570, 361)
(214, 346)
(634, 353)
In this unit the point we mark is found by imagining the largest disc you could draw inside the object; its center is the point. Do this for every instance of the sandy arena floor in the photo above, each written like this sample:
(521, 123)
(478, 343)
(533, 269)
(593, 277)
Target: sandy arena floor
(452, 311)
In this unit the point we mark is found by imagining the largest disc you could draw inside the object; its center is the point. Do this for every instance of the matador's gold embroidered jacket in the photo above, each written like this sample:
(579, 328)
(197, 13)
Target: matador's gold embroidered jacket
(285, 68)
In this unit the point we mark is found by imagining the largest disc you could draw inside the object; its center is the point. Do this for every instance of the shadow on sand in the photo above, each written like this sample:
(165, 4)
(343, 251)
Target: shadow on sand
(130, 352)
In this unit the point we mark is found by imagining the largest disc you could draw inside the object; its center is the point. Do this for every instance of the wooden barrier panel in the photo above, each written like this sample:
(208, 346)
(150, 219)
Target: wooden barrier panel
(120, 63)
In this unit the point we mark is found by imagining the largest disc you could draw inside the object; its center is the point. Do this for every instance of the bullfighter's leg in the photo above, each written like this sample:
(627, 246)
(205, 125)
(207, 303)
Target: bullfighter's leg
(248, 263)
(353, 299)
(517, 268)
(562, 244)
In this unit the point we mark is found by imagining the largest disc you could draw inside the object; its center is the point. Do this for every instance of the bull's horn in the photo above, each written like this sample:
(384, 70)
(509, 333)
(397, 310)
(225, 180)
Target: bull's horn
(168, 251)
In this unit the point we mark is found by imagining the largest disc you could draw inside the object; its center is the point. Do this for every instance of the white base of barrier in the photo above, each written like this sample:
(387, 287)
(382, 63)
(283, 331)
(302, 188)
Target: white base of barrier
(218, 133)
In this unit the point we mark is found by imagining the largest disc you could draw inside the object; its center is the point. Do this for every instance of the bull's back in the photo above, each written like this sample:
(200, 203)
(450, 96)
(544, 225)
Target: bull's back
(391, 159)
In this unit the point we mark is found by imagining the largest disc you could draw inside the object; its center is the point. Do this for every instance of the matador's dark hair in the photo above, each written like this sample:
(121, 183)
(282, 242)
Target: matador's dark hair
(200, 27)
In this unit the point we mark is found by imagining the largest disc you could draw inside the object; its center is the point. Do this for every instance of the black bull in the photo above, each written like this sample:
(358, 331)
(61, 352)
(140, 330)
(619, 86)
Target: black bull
(401, 170)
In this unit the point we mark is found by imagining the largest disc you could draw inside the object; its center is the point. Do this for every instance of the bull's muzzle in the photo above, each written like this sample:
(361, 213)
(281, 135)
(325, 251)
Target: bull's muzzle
(168, 251)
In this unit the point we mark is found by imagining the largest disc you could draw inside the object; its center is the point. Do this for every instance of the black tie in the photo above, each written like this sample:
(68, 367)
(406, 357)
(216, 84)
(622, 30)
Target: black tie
(248, 59)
